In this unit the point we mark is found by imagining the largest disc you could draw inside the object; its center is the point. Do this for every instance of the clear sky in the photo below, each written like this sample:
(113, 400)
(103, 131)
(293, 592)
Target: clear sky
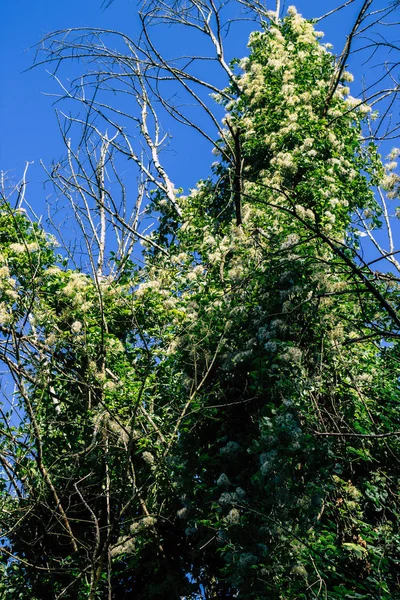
(28, 128)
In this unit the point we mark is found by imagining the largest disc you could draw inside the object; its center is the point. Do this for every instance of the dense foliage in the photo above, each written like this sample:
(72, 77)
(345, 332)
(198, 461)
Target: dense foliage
(220, 422)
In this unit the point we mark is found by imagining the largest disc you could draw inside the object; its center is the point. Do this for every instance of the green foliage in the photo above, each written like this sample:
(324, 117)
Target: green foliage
(217, 412)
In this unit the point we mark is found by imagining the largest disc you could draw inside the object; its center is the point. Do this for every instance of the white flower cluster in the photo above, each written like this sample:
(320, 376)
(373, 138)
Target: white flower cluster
(76, 327)
(231, 497)
(22, 248)
(253, 80)
(5, 314)
(285, 161)
(223, 480)
(233, 517)
(291, 240)
(154, 285)
(115, 346)
(391, 180)
(182, 513)
(76, 288)
(7, 291)
(148, 457)
(355, 103)
(125, 545)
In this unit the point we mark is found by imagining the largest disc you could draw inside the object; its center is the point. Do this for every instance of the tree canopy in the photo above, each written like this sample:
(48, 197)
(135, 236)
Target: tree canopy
(217, 415)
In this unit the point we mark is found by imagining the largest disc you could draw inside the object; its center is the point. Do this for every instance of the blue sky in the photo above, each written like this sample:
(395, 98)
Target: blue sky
(28, 128)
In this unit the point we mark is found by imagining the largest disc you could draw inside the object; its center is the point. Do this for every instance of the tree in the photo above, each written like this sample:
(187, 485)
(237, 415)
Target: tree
(221, 421)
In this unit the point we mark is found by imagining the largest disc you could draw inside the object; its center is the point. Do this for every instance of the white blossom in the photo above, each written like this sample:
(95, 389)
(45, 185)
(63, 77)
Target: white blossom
(21, 248)
(76, 327)
(77, 283)
(223, 480)
(292, 11)
(346, 76)
(5, 315)
(148, 457)
(148, 522)
(395, 152)
(233, 517)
